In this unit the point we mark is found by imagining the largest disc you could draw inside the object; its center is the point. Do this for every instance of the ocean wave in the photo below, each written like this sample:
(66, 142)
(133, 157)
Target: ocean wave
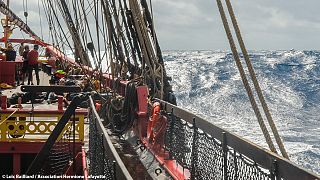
(208, 83)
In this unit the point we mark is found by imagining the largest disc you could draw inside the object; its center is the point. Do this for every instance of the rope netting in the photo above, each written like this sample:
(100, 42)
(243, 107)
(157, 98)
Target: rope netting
(99, 163)
(60, 156)
(212, 153)
(205, 156)
(241, 167)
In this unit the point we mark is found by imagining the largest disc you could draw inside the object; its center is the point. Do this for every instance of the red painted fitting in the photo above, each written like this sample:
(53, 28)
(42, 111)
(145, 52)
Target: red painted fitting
(60, 103)
(84, 165)
(3, 102)
(142, 92)
(98, 106)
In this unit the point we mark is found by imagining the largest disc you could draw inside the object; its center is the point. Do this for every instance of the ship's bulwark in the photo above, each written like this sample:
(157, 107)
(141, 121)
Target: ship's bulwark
(208, 83)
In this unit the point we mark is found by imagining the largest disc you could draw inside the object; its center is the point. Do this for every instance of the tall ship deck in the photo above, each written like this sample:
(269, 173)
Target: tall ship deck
(100, 104)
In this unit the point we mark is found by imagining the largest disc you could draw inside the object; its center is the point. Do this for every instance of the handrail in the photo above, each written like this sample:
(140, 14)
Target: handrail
(120, 168)
(265, 158)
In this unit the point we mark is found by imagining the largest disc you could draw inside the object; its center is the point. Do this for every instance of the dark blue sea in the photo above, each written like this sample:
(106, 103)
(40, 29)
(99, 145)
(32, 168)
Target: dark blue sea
(208, 84)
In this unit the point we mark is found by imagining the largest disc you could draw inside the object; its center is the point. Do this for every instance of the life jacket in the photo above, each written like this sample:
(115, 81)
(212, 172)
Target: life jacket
(156, 127)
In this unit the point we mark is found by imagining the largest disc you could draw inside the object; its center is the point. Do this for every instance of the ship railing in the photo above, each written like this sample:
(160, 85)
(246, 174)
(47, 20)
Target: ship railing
(26, 125)
(60, 154)
(103, 157)
(210, 152)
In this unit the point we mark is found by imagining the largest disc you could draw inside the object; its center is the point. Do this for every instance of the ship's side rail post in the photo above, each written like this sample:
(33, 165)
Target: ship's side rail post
(170, 133)
(114, 165)
(104, 155)
(194, 150)
(225, 154)
(235, 165)
(219, 154)
(274, 170)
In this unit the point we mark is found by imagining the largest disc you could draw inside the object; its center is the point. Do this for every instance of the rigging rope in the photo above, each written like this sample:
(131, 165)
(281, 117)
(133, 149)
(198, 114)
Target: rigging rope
(126, 29)
(96, 15)
(63, 7)
(104, 35)
(12, 17)
(59, 25)
(25, 9)
(46, 12)
(133, 33)
(121, 37)
(40, 19)
(115, 37)
(85, 28)
(244, 78)
(153, 29)
(118, 35)
(255, 81)
(109, 30)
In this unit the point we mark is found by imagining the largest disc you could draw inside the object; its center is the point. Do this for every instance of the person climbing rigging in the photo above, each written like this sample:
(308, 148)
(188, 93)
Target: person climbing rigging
(25, 66)
(33, 64)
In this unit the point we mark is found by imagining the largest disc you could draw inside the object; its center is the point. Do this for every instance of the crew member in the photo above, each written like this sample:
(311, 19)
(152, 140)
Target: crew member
(86, 86)
(33, 64)
(21, 49)
(9, 52)
(25, 66)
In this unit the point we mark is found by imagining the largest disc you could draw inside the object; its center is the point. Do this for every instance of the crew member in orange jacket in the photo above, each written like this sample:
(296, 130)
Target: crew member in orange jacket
(33, 63)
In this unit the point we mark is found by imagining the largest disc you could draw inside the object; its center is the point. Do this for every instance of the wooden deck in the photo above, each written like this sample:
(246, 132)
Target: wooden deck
(40, 108)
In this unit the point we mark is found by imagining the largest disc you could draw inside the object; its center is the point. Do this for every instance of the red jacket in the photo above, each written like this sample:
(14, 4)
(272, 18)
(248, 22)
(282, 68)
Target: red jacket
(33, 57)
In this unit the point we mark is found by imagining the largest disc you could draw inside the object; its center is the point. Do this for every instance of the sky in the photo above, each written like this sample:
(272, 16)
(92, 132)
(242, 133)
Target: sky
(196, 24)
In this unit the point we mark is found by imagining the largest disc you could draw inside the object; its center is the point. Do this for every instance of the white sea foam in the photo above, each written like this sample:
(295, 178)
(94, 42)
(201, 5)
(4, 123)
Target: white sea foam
(209, 84)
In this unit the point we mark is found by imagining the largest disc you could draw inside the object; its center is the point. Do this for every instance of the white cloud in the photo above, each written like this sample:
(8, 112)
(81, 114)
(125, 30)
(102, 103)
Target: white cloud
(196, 24)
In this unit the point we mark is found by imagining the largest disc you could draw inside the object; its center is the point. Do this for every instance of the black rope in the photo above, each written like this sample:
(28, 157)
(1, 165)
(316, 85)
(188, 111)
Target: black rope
(122, 40)
(129, 37)
(133, 33)
(96, 15)
(46, 11)
(125, 122)
(88, 28)
(104, 35)
(58, 22)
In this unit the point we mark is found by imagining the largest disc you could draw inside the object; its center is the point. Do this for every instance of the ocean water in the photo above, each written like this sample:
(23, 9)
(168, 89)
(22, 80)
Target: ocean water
(208, 84)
